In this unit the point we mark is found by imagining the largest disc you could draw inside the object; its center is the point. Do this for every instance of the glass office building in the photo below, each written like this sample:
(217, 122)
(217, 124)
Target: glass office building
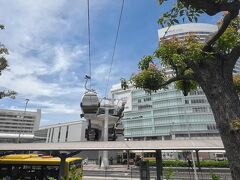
(168, 114)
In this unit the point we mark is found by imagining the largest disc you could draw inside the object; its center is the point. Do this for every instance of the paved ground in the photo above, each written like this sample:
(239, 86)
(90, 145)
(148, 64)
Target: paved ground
(121, 172)
(108, 178)
(93, 167)
(94, 172)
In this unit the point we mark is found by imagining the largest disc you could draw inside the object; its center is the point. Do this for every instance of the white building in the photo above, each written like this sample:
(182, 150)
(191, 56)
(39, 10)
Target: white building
(15, 123)
(168, 114)
(181, 30)
(63, 132)
(67, 132)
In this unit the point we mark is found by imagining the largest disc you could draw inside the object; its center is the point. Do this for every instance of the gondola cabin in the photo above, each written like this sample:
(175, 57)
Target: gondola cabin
(90, 103)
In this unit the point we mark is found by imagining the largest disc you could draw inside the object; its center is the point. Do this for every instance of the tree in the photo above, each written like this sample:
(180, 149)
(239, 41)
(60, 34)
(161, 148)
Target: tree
(3, 66)
(208, 65)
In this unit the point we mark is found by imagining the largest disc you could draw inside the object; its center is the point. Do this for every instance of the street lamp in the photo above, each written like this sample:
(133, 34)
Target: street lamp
(189, 137)
(27, 100)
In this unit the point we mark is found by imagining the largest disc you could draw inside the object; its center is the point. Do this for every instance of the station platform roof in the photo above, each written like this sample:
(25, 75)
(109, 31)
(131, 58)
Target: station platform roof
(215, 144)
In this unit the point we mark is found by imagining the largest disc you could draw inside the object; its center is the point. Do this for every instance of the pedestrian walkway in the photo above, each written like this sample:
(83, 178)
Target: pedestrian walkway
(112, 172)
(122, 168)
(109, 178)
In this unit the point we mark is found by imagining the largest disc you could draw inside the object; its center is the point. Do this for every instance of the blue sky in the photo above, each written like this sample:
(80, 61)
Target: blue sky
(48, 46)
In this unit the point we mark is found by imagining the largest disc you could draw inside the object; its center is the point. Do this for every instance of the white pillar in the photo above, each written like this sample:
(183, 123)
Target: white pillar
(105, 162)
(194, 167)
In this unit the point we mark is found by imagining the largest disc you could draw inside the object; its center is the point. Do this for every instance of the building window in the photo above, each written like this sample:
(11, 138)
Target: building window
(199, 109)
(198, 101)
(59, 133)
(200, 93)
(211, 127)
(52, 134)
(66, 134)
(147, 99)
(49, 135)
(145, 106)
(192, 92)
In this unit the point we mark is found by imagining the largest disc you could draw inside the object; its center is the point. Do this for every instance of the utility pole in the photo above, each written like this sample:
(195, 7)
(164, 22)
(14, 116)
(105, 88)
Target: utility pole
(20, 129)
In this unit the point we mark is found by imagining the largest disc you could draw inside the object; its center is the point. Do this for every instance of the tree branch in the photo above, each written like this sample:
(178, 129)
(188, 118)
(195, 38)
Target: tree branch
(226, 21)
(177, 78)
(211, 7)
(10, 94)
(235, 53)
(233, 57)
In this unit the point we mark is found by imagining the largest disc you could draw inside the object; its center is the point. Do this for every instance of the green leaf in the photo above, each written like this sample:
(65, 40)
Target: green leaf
(190, 19)
(181, 12)
(196, 19)
(176, 21)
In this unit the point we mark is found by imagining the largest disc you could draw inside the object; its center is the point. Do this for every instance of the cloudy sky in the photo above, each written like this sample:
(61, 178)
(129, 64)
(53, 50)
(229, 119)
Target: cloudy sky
(48, 45)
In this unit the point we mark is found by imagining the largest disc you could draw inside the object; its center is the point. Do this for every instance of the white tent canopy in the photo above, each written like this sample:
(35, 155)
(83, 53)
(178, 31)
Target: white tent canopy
(118, 145)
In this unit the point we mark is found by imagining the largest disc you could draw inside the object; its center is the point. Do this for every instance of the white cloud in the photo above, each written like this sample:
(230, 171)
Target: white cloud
(101, 72)
(64, 57)
(32, 86)
(51, 107)
(28, 85)
(23, 66)
(47, 44)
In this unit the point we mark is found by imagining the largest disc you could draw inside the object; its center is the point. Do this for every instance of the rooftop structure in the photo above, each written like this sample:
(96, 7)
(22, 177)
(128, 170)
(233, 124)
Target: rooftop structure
(118, 145)
(202, 30)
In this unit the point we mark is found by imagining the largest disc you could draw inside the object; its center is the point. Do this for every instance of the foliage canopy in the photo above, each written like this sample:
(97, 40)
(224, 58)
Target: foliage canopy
(178, 54)
(208, 63)
(3, 66)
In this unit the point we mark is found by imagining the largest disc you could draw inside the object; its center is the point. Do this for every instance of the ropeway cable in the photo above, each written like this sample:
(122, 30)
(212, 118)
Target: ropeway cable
(114, 48)
(89, 43)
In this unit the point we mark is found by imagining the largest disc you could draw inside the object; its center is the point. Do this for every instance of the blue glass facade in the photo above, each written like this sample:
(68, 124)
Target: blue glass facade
(168, 114)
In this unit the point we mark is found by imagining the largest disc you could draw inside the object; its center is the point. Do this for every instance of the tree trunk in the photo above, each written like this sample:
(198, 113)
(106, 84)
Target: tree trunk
(225, 106)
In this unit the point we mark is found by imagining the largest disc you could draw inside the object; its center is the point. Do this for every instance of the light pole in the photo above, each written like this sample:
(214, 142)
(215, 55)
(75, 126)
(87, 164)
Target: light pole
(105, 162)
(189, 136)
(20, 129)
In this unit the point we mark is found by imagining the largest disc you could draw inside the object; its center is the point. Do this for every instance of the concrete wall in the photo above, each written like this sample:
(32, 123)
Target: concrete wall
(66, 132)
(74, 132)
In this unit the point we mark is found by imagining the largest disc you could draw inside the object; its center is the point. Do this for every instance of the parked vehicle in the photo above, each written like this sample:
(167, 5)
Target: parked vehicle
(34, 166)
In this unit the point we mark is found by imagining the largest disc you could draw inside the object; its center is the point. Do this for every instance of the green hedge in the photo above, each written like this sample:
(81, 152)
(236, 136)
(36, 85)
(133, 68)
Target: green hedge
(224, 164)
(179, 163)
